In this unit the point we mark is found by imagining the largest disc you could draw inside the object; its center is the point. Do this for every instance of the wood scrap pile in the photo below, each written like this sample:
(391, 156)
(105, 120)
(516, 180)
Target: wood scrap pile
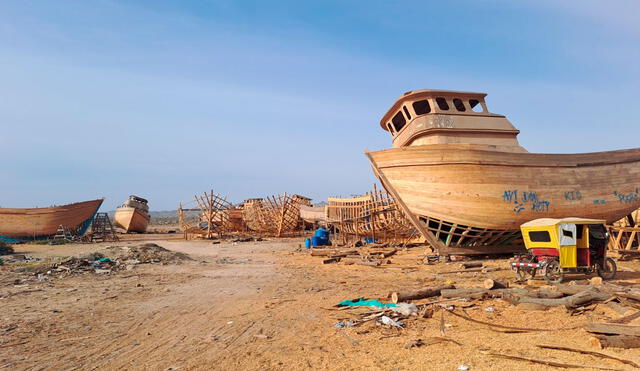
(374, 255)
(628, 254)
(410, 305)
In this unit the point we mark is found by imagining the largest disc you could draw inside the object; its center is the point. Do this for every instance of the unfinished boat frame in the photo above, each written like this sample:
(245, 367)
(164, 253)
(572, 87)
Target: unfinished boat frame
(374, 215)
(274, 215)
(213, 220)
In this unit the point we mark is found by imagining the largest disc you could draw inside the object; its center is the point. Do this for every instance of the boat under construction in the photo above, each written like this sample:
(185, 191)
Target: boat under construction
(460, 174)
(373, 216)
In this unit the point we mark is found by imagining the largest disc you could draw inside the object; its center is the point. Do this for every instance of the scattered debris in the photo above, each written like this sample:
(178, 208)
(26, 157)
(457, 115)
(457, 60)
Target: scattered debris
(389, 322)
(147, 253)
(344, 324)
(360, 302)
(5, 248)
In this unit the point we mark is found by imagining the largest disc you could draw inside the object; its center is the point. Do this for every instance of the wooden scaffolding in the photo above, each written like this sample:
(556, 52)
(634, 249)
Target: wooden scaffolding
(274, 215)
(213, 216)
(374, 215)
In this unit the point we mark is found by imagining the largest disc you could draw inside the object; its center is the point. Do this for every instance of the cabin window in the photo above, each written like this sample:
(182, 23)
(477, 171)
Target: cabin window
(421, 107)
(442, 104)
(475, 105)
(406, 112)
(390, 128)
(459, 105)
(398, 121)
(539, 236)
(567, 233)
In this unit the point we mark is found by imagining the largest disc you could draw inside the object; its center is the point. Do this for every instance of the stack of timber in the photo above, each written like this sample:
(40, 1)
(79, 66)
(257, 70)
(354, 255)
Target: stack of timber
(625, 236)
(133, 215)
(375, 255)
(374, 215)
(459, 173)
(274, 215)
(214, 216)
(19, 225)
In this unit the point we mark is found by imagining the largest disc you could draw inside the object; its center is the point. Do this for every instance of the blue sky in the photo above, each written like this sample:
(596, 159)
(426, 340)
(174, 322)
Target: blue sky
(165, 99)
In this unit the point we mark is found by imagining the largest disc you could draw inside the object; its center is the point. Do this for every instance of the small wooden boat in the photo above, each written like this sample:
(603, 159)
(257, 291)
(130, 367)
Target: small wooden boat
(133, 215)
(466, 182)
(374, 215)
(18, 225)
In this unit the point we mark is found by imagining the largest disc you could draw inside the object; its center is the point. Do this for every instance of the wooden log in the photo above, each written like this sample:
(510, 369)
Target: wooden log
(619, 308)
(492, 269)
(471, 265)
(330, 260)
(568, 302)
(615, 341)
(387, 254)
(332, 252)
(613, 329)
(596, 280)
(629, 295)
(482, 250)
(462, 271)
(572, 289)
(368, 263)
(472, 293)
(427, 292)
(493, 284)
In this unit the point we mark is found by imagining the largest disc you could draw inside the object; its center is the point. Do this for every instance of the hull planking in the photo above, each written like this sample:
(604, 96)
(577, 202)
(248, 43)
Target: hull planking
(17, 225)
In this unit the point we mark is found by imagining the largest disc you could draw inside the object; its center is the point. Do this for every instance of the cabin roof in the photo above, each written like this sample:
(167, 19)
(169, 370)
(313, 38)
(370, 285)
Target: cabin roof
(413, 94)
(553, 221)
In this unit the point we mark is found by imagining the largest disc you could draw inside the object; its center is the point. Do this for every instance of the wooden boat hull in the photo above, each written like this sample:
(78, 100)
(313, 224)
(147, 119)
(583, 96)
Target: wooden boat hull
(17, 225)
(466, 186)
(131, 219)
(313, 214)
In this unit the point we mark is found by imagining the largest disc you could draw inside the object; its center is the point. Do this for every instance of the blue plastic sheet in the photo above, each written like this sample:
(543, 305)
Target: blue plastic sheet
(365, 303)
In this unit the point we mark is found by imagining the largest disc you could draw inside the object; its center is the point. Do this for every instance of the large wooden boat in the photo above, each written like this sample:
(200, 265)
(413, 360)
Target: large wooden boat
(18, 225)
(466, 182)
(133, 215)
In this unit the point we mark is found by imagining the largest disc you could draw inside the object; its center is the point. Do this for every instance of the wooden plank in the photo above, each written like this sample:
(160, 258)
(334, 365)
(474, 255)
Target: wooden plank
(613, 329)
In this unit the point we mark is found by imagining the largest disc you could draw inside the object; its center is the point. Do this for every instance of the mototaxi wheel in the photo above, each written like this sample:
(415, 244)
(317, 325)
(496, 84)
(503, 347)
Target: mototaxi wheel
(607, 270)
(553, 273)
(525, 273)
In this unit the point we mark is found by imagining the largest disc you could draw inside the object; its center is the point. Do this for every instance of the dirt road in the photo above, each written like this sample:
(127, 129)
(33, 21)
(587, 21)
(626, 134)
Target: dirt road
(256, 305)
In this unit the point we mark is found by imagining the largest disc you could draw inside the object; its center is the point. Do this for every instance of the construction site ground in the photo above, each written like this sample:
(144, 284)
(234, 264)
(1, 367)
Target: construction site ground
(267, 306)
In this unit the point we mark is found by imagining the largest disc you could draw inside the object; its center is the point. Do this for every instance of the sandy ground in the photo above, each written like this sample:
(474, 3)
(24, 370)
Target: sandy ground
(263, 306)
